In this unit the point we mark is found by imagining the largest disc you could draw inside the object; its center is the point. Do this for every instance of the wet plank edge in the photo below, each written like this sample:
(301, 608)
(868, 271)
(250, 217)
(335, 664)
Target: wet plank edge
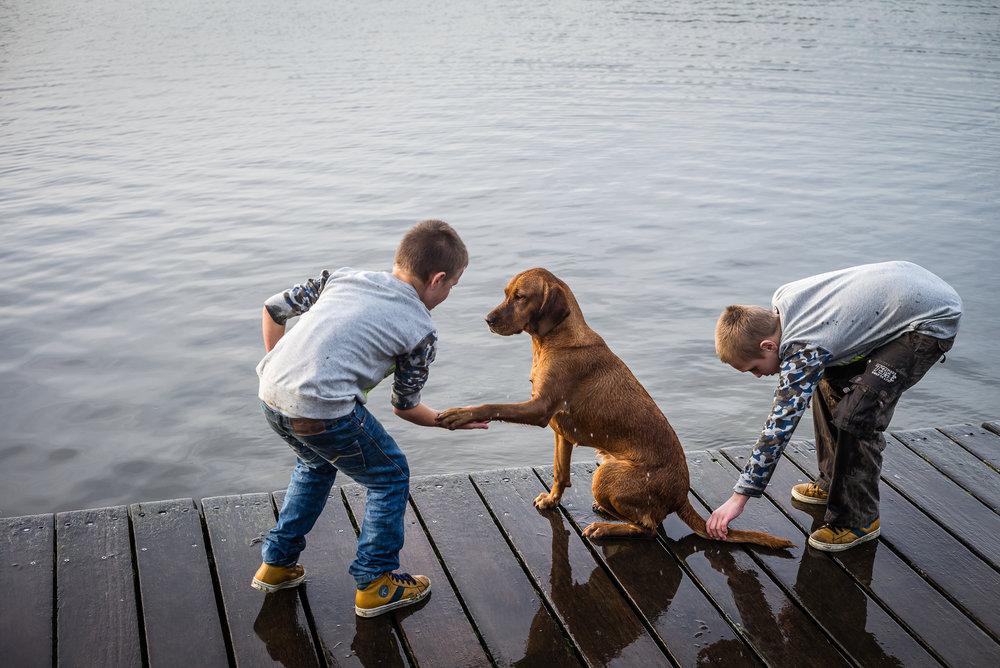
(958, 464)
(891, 634)
(908, 552)
(887, 573)
(665, 631)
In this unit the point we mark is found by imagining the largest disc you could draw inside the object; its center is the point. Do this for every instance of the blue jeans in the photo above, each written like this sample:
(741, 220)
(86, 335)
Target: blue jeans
(357, 445)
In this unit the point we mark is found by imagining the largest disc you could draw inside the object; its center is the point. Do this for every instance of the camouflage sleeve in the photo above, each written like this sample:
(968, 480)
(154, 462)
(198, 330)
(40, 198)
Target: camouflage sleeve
(297, 300)
(411, 373)
(799, 373)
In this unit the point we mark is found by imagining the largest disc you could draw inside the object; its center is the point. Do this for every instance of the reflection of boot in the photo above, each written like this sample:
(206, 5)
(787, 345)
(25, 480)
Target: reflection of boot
(277, 626)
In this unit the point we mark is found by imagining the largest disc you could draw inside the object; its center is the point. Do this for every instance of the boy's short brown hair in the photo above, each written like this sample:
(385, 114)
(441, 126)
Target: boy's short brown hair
(740, 330)
(431, 246)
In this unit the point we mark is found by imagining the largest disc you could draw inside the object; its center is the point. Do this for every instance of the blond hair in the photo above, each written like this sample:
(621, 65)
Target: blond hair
(740, 330)
(431, 246)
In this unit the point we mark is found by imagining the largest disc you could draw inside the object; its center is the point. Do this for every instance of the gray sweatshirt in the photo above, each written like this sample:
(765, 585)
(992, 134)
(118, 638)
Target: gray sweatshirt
(357, 327)
(852, 311)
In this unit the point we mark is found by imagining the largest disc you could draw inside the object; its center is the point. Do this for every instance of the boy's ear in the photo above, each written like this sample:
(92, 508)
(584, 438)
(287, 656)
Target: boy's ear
(437, 279)
(769, 345)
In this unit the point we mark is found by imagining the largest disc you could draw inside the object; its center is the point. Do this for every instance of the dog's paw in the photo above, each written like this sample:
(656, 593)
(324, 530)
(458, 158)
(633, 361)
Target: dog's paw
(453, 418)
(601, 510)
(595, 530)
(544, 501)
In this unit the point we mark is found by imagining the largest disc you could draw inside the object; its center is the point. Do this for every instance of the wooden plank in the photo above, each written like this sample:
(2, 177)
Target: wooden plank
(983, 442)
(964, 468)
(97, 622)
(942, 627)
(590, 607)
(691, 628)
(26, 575)
(937, 555)
(993, 426)
(345, 639)
(825, 591)
(956, 510)
(437, 629)
(263, 629)
(512, 618)
(772, 622)
(175, 585)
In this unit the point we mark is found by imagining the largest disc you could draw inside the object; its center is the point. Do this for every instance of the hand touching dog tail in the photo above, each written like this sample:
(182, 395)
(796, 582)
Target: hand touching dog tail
(697, 524)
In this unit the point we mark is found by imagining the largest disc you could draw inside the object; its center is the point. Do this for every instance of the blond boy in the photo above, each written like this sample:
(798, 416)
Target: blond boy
(859, 337)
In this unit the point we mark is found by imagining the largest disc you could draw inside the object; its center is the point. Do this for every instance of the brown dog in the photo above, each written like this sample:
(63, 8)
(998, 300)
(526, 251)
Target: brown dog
(589, 397)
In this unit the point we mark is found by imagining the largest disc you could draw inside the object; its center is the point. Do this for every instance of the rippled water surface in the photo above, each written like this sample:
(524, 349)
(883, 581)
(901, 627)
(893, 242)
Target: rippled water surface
(165, 167)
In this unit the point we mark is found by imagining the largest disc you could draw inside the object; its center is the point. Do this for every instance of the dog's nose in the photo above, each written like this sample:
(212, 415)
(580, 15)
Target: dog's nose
(490, 319)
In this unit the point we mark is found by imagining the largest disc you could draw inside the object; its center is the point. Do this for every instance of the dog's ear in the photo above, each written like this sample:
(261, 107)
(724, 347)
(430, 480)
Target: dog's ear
(554, 309)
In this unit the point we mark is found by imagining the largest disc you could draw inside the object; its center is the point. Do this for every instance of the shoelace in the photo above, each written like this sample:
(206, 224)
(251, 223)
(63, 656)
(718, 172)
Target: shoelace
(405, 578)
(814, 488)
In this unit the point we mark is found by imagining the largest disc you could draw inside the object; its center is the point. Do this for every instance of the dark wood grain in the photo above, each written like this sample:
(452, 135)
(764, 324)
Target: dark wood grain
(983, 443)
(771, 621)
(97, 622)
(175, 585)
(601, 622)
(513, 620)
(966, 469)
(967, 580)
(345, 638)
(963, 515)
(692, 629)
(847, 613)
(942, 627)
(26, 576)
(437, 629)
(264, 629)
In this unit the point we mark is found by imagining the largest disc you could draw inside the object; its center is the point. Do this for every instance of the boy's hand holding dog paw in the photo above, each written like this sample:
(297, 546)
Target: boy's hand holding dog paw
(461, 418)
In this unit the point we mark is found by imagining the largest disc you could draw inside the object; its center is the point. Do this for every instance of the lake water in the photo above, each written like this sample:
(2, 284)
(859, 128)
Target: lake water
(165, 167)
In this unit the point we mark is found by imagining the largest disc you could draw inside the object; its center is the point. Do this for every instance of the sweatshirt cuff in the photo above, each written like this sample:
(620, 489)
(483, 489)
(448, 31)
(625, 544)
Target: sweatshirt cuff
(748, 491)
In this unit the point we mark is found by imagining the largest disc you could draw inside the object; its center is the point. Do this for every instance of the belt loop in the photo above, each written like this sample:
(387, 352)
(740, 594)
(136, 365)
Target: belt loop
(943, 358)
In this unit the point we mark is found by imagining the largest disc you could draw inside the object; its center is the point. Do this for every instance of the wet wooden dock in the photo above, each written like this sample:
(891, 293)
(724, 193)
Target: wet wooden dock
(167, 583)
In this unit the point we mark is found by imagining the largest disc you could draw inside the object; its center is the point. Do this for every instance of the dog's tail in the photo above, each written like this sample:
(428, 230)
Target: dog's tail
(697, 524)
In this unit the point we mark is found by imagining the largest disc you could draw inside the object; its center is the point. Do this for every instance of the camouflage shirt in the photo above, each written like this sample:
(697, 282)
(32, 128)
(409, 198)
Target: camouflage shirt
(800, 371)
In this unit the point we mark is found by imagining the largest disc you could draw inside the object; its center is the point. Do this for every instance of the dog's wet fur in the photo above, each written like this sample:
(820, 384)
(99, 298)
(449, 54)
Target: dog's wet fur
(590, 397)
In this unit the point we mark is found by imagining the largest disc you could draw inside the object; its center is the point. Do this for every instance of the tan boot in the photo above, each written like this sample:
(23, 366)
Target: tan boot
(810, 492)
(271, 578)
(836, 539)
(390, 591)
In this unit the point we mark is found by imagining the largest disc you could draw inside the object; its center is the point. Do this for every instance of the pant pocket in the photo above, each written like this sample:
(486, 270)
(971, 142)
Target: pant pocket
(868, 406)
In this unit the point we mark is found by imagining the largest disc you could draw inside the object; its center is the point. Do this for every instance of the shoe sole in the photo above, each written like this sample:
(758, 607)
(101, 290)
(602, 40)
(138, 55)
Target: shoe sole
(839, 547)
(388, 607)
(270, 589)
(808, 499)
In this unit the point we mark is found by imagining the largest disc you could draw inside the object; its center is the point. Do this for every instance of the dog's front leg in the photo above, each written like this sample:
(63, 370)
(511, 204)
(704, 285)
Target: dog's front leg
(560, 480)
(536, 412)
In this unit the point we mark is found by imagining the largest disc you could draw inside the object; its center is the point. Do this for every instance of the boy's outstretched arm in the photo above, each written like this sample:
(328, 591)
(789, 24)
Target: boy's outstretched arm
(800, 372)
(272, 330)
(410, 376)
(425, 416)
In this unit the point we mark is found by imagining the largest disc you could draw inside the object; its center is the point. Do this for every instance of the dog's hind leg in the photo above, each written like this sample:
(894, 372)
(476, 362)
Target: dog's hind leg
(617, 530)
(610, 480)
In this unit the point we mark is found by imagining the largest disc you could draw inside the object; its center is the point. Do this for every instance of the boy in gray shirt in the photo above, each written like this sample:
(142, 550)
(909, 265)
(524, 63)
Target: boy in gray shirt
(860, 337)
(357, 328)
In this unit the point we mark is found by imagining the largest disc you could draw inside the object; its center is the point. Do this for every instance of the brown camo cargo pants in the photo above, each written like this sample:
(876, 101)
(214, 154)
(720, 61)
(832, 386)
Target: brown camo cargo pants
(851, 409)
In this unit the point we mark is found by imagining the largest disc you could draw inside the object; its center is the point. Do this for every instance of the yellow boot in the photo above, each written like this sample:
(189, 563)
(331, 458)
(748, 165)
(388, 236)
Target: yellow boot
(835, 539)
(390, 591)
(271, 578)
(809, 492)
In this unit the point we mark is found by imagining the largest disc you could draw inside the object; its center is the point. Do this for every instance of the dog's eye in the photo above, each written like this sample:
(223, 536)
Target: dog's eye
(518, 297)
